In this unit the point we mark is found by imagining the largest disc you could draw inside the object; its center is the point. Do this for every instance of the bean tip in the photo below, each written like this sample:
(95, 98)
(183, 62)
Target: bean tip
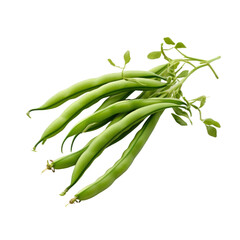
(63, 144)
(28, 114)
(34, 148)
(64, 192)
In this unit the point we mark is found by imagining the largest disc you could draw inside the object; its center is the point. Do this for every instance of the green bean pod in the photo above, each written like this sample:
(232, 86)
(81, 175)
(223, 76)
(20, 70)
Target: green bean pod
(112, 119)
(66, 161)
(122, 164)
(102, 140)
(71, 159)
(119, 107)
(94, 96)
(87, 85)
(110, 100)
(113, 99)
(160, 69)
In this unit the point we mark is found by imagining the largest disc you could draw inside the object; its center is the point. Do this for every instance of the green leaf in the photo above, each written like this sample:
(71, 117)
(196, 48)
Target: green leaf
(111, 62)
(179, 94)
(179, 120)
(203, 101)
(175, 65)
(180, 112)
(183, 74)
(127, 57)
(180, 45)
(210, 121)
(154, 55)
(168, 41)
(171, 72)
(212, 131)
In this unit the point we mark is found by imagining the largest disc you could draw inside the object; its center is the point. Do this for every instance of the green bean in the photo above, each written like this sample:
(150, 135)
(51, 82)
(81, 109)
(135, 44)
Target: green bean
(113, 119)
(160, 69)
(119, 107)
(122, 164)
(101, 141)
(87, 85)
(113, 99)
(110, 100)
(92, 97)
(66, 161)
(124, 95)
(71, 159)
(117, 117)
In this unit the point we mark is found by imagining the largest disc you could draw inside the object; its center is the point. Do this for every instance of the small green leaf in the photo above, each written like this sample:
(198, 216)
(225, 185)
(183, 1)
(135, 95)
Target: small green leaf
(175, 65)
(212, 131)
(168, 41)
(183, 74)
(111, 62)
(210, 121)
(179, 94)
(127, 57)
(180, 45)
(179, 120)
(202, 101)
(154, 55)
(180, 112)
(171, 72)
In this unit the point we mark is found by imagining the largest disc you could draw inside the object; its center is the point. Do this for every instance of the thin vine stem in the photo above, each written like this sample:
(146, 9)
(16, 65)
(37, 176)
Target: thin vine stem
(178, 85)
(200, 60)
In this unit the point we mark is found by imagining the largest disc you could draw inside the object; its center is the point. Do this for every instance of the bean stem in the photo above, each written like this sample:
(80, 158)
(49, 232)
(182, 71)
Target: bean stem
(179, 84)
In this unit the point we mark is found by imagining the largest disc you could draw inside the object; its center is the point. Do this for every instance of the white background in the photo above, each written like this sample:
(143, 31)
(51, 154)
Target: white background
(183, 185)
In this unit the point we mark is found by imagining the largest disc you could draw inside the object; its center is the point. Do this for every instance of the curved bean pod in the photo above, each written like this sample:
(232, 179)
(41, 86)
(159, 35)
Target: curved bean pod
(66, 161)
(71, 159)
(160, 69)
(119, 107)
(122, 164)
(110, 100)
(92, 97)
(113, 99)
(113, 119)
(102, 140)
(88, 85)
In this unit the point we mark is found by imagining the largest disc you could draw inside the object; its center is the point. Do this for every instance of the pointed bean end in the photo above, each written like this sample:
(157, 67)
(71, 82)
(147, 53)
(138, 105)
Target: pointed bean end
(63, 144)
(34, 148)
(64, 192)
(28, 114)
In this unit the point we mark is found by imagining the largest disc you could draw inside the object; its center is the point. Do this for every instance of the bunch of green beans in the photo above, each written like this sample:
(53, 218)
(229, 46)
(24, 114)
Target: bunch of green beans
(160, 89)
